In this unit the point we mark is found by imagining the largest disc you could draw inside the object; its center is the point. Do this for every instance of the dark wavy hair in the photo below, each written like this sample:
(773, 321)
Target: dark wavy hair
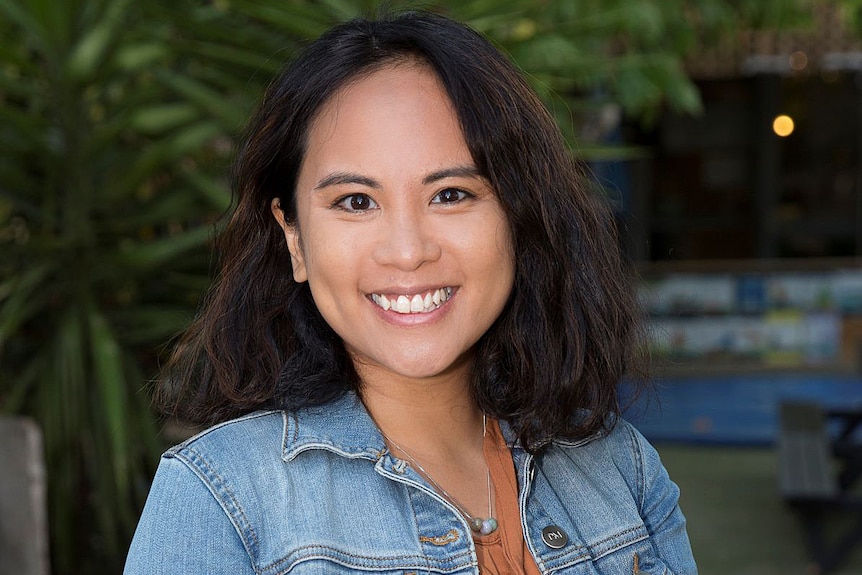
(566, 335)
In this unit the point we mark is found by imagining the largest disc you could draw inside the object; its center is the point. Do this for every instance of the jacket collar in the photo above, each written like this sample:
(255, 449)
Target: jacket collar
(344, 427)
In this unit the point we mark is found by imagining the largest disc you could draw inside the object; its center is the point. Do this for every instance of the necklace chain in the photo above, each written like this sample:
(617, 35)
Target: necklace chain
(477, 524)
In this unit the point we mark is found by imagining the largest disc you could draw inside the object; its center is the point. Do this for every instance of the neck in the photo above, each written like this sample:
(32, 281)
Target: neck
(435, 425)
(429, 416)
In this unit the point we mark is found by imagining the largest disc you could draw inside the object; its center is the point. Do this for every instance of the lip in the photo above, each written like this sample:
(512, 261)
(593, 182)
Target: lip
(412, 319)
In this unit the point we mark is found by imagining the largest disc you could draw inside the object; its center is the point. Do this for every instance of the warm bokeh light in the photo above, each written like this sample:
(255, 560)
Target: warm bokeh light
(783, 125)
(798, 60)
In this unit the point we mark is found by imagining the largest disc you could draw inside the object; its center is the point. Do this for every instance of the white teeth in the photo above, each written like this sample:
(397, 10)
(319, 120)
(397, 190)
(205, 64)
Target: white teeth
(402, 304)
(417, 303)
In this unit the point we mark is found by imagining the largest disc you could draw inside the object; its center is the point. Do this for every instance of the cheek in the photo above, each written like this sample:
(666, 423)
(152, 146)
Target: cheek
(492, 259)
(332, 264)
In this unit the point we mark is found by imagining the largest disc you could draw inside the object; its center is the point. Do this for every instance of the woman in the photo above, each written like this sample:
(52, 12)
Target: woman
(409, 359)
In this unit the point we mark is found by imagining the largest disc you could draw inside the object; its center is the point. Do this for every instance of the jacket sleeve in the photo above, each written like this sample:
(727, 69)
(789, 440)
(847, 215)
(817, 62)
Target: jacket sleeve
(183, 530)
(659, 508)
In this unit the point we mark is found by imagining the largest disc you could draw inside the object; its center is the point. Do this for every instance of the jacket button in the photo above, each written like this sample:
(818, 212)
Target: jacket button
(554, 537)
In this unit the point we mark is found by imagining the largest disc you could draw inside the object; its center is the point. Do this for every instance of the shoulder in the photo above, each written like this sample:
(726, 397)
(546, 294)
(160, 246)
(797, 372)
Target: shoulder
(619, 451)
(203, 490)
(230, 456)
(261, 430)
(618, 473)
(618, 438)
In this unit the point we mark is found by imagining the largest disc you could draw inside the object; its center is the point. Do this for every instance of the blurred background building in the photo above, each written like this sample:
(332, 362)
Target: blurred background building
(746, 222)
(746, 219)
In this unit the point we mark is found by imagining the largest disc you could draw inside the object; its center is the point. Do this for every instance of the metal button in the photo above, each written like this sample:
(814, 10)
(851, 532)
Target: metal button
(554, 537)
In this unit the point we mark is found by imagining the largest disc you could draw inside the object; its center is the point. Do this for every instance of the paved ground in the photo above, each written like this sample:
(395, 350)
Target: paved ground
(737, 523)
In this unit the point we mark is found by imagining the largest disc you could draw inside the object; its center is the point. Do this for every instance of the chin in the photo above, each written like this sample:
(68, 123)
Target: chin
(420, 372)
(435, 367)
(416, 368)
(430, 363)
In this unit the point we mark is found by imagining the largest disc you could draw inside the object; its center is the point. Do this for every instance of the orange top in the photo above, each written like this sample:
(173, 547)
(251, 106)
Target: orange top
(504, 551)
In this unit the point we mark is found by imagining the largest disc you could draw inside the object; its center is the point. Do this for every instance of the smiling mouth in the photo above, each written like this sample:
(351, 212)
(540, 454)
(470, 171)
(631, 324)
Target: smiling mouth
(416, 303)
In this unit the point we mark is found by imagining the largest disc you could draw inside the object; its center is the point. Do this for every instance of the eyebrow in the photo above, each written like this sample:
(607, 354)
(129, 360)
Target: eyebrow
(466, 171)
(341, 178)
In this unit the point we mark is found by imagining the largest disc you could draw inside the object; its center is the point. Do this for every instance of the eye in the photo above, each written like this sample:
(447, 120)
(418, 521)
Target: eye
(450, 196)
(355, 203)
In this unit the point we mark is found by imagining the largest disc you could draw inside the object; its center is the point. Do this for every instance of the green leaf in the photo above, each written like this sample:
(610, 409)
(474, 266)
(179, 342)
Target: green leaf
(634, 89)
(14, 391)
(345, 9)
(292, 18)
(32, 28)
(110, 380)
(149, 324)
(156, 253)
(92, 49)
(612, 153)
(253, 60)
(139, 56)
(162, 155)
(67, 378)
(644, 20)
(209, 100)
(21, 300)
(156, 119)
(481, 13)
(216, 192)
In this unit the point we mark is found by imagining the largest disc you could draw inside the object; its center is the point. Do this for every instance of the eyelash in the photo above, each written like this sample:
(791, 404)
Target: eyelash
(344, 202)
(462, 195)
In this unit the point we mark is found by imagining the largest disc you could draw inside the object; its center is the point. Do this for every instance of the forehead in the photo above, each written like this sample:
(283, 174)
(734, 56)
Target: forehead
(400, 112)
(381, 78)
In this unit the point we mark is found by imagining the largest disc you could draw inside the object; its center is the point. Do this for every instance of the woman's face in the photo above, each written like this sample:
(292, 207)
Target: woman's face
(403, 244)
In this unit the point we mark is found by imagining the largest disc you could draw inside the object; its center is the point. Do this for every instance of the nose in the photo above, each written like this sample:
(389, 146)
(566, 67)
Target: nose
(406, 240)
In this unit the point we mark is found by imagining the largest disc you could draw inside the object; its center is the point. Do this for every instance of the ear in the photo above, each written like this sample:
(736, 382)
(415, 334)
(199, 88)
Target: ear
(291, 235)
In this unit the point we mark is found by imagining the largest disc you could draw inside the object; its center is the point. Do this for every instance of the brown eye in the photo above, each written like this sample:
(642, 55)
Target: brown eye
(356, 203)
(450, 196)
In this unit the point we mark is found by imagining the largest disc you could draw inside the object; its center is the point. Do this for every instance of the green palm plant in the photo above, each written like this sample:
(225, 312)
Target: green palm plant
(113, 153)
(117, 124)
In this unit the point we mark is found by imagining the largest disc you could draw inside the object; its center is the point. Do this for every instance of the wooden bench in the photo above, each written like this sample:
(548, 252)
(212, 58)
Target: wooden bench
(816, 470)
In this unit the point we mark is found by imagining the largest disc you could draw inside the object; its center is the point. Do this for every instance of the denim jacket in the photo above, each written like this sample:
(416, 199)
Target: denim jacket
(317, 492)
